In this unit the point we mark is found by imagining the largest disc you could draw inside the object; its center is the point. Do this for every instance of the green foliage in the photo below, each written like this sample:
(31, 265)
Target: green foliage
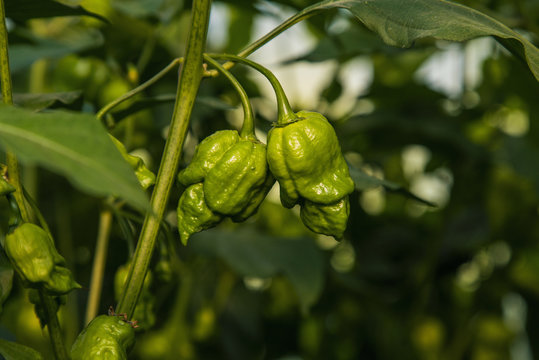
(75, 145)
(439, 259)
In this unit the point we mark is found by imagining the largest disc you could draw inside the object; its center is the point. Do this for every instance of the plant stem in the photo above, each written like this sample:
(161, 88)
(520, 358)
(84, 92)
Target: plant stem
(138, 89)
(98, 267)
(53, 325)
(189, 82)
(285, 113)
(291, 21)
(248, 128)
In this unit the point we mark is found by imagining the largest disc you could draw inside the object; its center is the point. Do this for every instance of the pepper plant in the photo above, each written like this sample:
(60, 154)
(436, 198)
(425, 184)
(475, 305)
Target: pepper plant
(169, 276)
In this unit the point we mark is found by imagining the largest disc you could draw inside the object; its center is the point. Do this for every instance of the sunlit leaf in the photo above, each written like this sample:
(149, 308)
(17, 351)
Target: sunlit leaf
(72, 144)
(401, 22)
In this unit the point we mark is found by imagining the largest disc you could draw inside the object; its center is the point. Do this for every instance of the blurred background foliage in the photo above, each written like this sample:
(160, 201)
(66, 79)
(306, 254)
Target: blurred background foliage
(454, 124)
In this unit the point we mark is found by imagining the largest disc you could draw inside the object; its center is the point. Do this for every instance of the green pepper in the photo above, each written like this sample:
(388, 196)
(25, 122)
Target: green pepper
(105, 337)
(145, 177)
(35, 259)
(306, 159)
(144, 311)
(228, 176)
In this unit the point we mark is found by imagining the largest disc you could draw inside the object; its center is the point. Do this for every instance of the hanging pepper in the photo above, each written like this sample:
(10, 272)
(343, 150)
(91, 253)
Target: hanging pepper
(35, 259)
(228, 176)
(106, 337)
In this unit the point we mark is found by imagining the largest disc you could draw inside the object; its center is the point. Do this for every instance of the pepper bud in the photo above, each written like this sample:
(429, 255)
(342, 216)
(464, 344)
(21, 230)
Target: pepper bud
(306, 158)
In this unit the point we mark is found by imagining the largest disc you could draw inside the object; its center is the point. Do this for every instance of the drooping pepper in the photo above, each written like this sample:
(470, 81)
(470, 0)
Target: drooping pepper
(305, 157)
(228, 176)
(35, 259)
(106, 337)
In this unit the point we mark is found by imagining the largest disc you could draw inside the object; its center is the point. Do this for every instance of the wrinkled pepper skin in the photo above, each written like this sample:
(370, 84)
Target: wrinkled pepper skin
(305, 157)
(207, 154)
(105, 338)
(228, 177)
(231, 184)
(35, 259)
(193, 213)
(326, 219)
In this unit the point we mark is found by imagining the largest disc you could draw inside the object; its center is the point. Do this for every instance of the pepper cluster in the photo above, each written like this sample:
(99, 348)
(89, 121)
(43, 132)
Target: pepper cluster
(305, 157)
(228, 177)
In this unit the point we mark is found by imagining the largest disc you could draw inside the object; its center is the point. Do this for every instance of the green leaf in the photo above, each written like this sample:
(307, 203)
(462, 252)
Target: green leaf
(401, 22)
(255, 254)
(74, 145)
(22, 10)
(364, 181)
(44, 101)
(13, 351)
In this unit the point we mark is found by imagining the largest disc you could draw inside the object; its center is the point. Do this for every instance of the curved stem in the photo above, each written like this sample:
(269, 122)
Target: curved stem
(248, 128)
(189, 82)
(55, 332)
(291, 21)
(138, 89)
(98, 267)
(285, 113)
(302, 15)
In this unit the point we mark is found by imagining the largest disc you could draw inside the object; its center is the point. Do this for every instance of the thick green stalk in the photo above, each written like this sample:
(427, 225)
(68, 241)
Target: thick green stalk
(285, 113)
(248, 128)
(55, 333)
(189, 82)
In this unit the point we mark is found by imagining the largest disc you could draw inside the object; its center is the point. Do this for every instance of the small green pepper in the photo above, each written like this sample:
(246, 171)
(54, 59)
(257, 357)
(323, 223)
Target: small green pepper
(306, 159)
(35, 259)
(105, 337)
(228, 176)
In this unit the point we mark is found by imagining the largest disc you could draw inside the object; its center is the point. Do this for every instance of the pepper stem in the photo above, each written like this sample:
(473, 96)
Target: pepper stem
(285, 113)
(248, 128)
